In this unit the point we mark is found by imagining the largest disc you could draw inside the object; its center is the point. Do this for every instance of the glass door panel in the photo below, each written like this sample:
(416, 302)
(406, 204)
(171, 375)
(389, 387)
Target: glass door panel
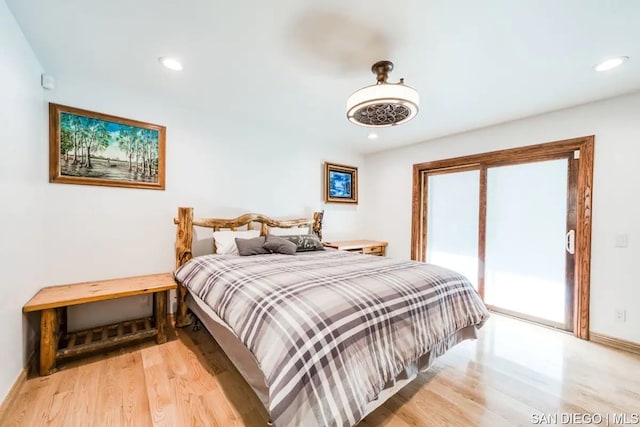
(452, 221)
(526, 229)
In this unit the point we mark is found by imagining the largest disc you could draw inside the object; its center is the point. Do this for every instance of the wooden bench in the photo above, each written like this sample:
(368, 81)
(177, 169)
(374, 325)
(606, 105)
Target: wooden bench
(52, 302)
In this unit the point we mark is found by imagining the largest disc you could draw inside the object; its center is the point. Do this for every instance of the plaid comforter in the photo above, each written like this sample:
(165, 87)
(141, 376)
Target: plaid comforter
(330, 329)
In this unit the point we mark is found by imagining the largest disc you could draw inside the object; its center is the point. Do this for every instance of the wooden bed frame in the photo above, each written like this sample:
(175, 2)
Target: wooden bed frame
(184, 240)
(246, 365)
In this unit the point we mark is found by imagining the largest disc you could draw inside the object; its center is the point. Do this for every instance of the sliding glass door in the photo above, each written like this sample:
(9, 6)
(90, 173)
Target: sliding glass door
(526, 240)
(509, 227)
(452, 222)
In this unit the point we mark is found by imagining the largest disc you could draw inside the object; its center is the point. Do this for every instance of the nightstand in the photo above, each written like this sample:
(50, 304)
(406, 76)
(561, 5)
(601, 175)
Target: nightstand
(369, 247)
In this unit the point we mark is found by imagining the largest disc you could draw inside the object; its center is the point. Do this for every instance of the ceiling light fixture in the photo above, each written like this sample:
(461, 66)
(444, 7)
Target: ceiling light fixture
(383, 104)
(372, 136)
(611, 63)
(171, 63)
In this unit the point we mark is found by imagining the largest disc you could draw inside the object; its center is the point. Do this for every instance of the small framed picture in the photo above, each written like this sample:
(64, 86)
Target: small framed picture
(340, 183)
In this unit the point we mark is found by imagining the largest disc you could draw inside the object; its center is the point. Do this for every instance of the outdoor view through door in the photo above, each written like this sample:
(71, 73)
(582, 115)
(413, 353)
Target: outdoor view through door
(510, 221)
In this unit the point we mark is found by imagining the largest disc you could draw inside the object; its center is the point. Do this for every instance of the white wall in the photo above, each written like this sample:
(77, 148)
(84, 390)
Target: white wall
(615, 122)
(22, 171)
(60, 233)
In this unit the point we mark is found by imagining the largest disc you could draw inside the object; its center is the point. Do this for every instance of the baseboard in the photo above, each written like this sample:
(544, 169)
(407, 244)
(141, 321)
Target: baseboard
(13, 392)
(17, 385)
(629, 346)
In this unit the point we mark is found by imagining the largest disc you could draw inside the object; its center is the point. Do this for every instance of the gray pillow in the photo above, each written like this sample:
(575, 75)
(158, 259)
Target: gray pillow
(306, 242)
(253, 246)
(279, 245)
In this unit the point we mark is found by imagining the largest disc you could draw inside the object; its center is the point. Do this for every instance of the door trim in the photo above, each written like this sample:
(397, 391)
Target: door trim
(531, 153)
(482, 229)
(572, 224)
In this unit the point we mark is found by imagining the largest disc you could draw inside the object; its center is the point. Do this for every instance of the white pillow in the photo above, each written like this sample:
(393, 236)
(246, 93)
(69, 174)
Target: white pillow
(293, 231)
(226, 240)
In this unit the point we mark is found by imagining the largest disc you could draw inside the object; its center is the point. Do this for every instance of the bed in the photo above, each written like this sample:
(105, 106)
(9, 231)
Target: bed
(325, 337)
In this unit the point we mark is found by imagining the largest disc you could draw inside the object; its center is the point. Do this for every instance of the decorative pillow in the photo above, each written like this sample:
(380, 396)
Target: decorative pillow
(306, 243)
(226, 240)
(293, 231)
(279, 245)
(247, 247)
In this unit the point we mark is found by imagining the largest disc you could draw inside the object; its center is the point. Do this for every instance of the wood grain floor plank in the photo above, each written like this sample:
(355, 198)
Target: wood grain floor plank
(135, 401)
(384, 417)
(203, 413)
(62, 389)
(162, 402)
(183, 397)
(173, 359)
(238, 393)
(151, 356)
(199, 374)
(493, 400)
(52, 409)
(109, 406)
(225, 414)
(85, 395)
(27, 404)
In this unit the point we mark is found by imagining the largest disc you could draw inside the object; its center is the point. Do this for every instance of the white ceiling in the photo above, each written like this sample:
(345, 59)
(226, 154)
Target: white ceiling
(286, 67)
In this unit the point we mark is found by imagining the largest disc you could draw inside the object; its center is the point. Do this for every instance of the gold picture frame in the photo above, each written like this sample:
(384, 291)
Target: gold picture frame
(90, 148)
(340, 183)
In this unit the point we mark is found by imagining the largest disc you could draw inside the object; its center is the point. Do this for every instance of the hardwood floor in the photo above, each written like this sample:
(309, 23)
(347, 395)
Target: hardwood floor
(515, 370)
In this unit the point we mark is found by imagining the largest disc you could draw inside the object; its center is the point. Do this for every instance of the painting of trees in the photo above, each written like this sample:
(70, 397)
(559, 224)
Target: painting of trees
(141, 149)
(126, 142)
(106, 150)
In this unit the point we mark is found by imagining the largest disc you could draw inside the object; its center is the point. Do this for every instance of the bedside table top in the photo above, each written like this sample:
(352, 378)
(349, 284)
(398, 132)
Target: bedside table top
(354, 244)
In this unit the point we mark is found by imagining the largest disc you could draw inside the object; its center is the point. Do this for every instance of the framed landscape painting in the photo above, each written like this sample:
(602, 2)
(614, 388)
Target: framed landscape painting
(98, 149)
(340, 183)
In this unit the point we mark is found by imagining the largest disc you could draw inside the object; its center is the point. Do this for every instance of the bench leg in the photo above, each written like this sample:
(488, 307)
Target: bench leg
(160, 315)
(48, 340)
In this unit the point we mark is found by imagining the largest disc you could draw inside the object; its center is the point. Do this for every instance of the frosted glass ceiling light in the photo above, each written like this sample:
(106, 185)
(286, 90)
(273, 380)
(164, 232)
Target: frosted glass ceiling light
(383, 104)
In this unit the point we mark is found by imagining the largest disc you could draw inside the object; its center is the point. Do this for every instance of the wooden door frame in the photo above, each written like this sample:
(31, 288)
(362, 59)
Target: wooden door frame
(538, 152)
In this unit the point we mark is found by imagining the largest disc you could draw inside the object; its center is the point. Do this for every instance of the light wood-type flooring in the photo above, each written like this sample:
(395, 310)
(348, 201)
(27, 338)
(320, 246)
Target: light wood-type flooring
(512, 375)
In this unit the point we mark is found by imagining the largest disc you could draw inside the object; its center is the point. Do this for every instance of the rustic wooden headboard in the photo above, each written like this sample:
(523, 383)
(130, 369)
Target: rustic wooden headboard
(184, 238)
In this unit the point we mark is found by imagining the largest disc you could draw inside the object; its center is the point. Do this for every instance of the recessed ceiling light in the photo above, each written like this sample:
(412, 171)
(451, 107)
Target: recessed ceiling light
(611, 63)
(373, 135)
(171, 63)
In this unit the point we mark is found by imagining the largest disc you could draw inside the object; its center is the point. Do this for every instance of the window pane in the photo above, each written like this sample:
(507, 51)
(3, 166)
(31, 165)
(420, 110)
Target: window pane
(525, 248)
(452, 222)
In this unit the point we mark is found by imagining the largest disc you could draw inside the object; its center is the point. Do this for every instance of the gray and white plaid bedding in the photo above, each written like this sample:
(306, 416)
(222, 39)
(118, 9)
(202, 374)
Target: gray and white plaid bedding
(330, 329)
